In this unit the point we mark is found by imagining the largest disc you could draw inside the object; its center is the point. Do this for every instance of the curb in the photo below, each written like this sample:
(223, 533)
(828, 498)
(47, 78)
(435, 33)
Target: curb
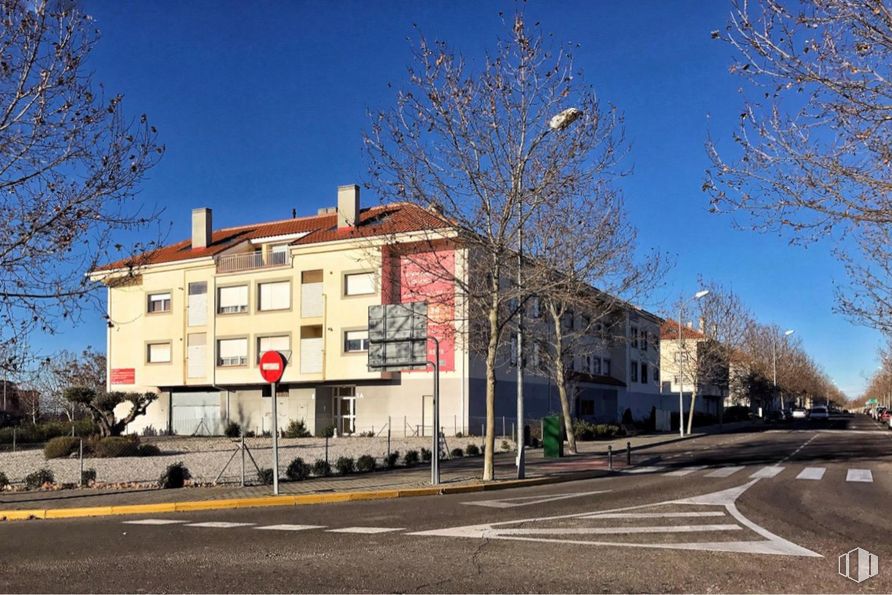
(290, 500)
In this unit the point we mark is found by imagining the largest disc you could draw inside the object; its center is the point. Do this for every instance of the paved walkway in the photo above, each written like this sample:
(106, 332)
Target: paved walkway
(592, 460)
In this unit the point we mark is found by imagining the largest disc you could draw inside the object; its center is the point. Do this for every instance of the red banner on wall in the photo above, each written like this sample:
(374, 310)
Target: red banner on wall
(123, 376)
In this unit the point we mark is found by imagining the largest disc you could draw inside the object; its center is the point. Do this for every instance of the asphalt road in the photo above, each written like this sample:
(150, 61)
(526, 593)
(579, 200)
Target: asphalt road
(766, 511)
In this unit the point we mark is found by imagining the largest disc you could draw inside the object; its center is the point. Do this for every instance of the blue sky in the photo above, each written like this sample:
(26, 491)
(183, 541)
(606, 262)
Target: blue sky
(261, 106)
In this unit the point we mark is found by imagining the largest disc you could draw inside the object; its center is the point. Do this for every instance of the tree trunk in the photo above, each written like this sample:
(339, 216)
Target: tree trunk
(561, 381)
(491, 351)
(693, 407)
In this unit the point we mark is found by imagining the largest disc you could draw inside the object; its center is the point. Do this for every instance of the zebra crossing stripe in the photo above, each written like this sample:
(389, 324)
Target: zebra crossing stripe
(643, 470)
(859, 475)
(219, 525)
(289, 527)
(153, 522)
(366, 530)
(686, 471)
(767, 472)
(814, 473)
(724, 471)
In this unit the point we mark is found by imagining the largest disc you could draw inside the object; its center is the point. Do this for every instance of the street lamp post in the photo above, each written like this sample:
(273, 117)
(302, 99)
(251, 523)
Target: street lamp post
(680, 356)
(787, 333)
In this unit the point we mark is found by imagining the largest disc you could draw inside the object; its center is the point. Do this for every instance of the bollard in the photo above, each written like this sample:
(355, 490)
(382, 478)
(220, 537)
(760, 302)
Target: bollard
(243, 459)
(388, 436)
(503, 426)
(628, 453)
(609, 457)
(326, 449)
(80, 456)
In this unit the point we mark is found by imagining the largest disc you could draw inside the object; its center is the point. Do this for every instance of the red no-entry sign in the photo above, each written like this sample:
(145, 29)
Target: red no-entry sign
(272, 366)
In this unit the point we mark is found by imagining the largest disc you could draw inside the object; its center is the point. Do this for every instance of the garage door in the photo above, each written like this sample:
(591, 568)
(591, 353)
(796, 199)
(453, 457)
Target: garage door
(196, 413)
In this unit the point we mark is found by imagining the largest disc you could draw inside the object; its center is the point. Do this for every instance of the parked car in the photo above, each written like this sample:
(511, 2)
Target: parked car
(799, 413)
(818, 413)
(884, 416)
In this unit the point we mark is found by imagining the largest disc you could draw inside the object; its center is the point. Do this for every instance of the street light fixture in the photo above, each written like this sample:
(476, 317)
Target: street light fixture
(558, 123)
(697, 296)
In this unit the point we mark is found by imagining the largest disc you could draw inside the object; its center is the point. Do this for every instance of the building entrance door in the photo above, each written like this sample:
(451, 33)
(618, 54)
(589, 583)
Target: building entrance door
(344, 407)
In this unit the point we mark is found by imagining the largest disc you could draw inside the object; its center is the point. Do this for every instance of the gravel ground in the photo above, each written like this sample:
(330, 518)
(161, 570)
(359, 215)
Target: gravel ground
(206, 457)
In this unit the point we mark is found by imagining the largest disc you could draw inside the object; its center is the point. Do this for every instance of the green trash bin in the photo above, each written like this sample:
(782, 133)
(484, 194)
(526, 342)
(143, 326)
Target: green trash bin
(552, 436)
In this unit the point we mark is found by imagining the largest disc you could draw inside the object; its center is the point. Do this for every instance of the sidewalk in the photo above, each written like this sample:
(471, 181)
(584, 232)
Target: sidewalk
(456, 475)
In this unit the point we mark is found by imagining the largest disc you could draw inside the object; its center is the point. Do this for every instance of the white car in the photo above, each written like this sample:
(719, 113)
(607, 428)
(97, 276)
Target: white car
(818, 413)
(799, 413)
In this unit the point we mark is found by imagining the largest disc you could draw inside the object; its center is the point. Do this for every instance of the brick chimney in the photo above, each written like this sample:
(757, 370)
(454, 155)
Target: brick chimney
(348, 206)
(201, 228)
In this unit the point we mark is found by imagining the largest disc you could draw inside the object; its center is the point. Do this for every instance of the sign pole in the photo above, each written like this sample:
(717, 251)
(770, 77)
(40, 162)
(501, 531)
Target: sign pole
(435, 453)
(275, 441)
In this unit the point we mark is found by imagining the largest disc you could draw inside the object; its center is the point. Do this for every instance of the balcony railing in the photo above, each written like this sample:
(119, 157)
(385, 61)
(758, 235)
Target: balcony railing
(232, 263)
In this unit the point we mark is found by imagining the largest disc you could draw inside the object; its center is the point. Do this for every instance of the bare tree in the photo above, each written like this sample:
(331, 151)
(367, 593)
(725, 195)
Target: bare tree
(69, 165)
(585, 246)
(487, 150)
(815, 138)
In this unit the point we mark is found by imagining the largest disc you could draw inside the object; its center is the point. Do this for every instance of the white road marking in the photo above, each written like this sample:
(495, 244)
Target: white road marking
(366, 530)
(685, 471)
(815, 473)
(529, 500)
(219, 525)
(862, 475)
(724, 471)
(651, 515)
(153, 522)
(767, 472)
(643, 470)
(772, 544)
(289, 527)
(618, 530)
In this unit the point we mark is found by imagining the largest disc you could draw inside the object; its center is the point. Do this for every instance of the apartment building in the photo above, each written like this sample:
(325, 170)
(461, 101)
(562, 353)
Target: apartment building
(190, 321)
(686, 360)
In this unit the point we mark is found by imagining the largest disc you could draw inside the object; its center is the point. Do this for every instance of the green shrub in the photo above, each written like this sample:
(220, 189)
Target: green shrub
(115, 446)
(297, 470)
(391, 459)
(297, 429)
(505, 445)
(4, 481)
(534, 442)
(425, 455)
(345, 465)
(233, 430)
(365, 463)
(457, 453)
(411, 458)
(147, 450)
(61, 446)
(149, 431)
(472, 450)
(627, 417)
(250, 434)
(40, 477)
(174, 477)
(326, 432)
(42, 432)
(369, 434)
(88, 476)
(265, 476)
(321, 468)
(459, 435)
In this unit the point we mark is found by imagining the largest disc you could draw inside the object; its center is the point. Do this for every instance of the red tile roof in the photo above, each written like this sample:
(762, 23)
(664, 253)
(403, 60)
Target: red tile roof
(374, 221)
(669, 330)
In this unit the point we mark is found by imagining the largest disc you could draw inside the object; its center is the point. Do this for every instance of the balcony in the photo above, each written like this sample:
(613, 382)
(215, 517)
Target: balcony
(234, 263)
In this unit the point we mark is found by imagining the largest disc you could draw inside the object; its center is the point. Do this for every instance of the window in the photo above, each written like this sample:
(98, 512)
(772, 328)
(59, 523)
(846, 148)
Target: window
(533, 363)
(657, 375)
(280, 343)
(356, 341)
(359, 284)
(158, 353)
(596, 365)
(644, 340)
(605, 367)
(278, 254)
(633, 335)
(535, 307)
(232, 352)
(633, 371)
(159, 302)
(513, 356)
(274, 296)
(231, 300)
(643, 373)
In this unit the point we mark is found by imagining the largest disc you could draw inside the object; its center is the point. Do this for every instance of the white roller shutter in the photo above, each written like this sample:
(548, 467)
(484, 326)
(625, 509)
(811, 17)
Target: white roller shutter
(275, 296)
(233, 299)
